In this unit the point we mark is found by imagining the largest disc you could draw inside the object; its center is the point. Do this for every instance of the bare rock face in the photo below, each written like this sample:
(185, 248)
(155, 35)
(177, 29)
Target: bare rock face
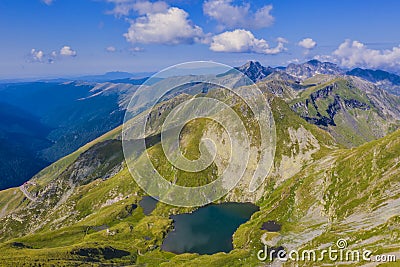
(100, 162)
(312, 68)
(255, 71)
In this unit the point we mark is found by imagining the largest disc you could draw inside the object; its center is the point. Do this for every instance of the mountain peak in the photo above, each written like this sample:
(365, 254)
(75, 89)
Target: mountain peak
(313, 67)
(251, 63)
(255, 71)
(314, 62)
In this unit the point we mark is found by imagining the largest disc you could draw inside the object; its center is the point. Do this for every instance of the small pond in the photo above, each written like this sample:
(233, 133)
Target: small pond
(148, 204)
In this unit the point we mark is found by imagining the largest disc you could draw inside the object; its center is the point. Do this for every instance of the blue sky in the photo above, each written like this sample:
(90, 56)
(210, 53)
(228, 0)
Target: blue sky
(71, 37)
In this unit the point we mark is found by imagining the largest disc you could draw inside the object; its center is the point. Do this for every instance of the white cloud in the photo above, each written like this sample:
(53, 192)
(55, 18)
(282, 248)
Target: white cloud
(47, 2)
(170, 27)
(38, 56)
(354, 53)
(234, 16)
(67, 51)
(111, 49)
(146, 7)
(157, 23)
(326, 58)
(122, 7)
(125, 7)
(241, 40)
(307, 43)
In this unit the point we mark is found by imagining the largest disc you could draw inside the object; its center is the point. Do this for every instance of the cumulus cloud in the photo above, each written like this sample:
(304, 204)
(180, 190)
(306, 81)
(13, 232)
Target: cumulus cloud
(170, 27)
(125, 7)
(241, 40)
(354, 53)
(38, 56)
(156, 23)
(159, 23)
(67, 51)
(307, 43)
(232, 16)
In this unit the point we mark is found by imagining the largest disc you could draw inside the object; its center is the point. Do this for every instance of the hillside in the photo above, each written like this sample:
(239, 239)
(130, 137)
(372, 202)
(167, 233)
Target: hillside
(72, 195)
(77, 112)
(43, 121)
(383, 79)
(85, 207)
(21, 136)
(352, 110)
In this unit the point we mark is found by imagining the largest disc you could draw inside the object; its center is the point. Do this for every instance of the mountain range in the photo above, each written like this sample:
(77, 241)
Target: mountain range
(76, 112)
(335, 172)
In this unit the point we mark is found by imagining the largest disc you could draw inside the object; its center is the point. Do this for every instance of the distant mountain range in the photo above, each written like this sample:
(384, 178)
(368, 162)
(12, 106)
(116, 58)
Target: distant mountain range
(383, 79)
(109, 76)
(76, 111)
(114, 75)
(312, 68)
(42, 122)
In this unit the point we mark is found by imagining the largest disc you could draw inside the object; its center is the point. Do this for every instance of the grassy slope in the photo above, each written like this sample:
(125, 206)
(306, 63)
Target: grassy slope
(353, 126)
(342, 174)
(80, 236)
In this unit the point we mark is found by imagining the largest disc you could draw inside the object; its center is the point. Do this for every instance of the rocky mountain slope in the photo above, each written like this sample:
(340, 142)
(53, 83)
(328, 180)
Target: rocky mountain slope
(255, 71)
(382, 79)
(311, 68)
(352, 110)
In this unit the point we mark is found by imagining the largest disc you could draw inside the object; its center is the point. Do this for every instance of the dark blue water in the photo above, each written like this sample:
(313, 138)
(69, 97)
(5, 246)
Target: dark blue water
(207, 230)
(148, 204)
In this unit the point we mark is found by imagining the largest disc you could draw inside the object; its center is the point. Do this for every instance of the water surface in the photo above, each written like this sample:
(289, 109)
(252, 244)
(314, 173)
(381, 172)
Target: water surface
(207, 230)
(148, 204)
